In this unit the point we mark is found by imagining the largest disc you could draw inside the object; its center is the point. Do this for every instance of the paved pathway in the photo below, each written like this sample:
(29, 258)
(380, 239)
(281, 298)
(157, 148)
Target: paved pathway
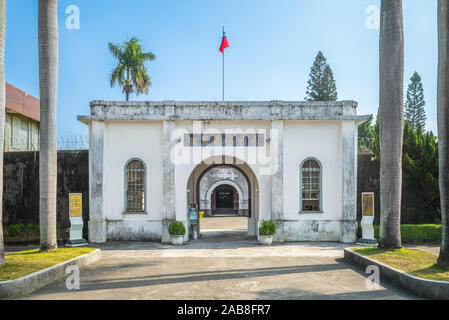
(220, 265)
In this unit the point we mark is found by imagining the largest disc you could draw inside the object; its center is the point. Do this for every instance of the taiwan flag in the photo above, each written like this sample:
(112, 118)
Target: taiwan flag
(224, 43)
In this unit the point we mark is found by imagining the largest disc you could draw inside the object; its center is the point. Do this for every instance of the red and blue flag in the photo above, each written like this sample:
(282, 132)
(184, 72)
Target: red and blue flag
(224, 43)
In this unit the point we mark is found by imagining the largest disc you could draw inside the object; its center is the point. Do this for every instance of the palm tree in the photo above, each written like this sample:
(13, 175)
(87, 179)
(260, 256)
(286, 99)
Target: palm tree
(131, 73)
(443, 128)
(2, 119)
(48, 82)
(391, 121)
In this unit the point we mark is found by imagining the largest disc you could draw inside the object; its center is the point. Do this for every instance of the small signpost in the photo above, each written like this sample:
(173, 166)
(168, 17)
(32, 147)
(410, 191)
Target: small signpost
(76, 220)
(368, 237)
(193, 220)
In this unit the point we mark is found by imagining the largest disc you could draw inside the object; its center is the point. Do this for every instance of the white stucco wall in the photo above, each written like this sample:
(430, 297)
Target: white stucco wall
(320, 140)
(124, 141)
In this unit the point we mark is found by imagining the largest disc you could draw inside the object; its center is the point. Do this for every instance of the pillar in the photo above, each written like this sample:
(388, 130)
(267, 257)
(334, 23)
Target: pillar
(349, 182)
(97, 220)
(168, 180)
(277, 177)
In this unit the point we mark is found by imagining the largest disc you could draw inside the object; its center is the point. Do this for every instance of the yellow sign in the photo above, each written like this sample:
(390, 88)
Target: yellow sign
(76, 201)
(368, 204)
(201, 215)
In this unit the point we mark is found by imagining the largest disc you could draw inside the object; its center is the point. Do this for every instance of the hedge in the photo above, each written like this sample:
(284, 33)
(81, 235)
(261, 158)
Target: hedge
(415, 233)
(18, 233)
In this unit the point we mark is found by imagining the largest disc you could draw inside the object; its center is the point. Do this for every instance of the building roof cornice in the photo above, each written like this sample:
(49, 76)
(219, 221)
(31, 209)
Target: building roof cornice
(219, 110)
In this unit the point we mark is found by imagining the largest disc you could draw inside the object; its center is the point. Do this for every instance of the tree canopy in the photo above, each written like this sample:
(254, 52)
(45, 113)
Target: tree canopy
(414, 104)
(321, 85)
(131, 73)
(420, 196)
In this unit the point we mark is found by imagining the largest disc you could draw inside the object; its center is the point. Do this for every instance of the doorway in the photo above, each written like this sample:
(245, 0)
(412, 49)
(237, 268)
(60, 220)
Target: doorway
(223, 200)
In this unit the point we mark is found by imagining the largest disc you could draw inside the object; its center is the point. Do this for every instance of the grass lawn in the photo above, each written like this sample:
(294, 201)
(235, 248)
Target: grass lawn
(418, 263)
(22, 263)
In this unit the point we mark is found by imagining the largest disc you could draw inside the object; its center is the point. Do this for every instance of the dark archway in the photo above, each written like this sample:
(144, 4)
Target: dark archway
(223, 200)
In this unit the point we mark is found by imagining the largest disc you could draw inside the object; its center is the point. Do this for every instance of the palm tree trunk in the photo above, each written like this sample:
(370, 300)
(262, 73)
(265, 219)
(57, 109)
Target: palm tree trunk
(2, 120)
(391, 121)
(48, 82)
(443, 128)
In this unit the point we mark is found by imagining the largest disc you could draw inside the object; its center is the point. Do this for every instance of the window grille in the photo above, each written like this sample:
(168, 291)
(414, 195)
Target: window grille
(311, 186)
(135, 191)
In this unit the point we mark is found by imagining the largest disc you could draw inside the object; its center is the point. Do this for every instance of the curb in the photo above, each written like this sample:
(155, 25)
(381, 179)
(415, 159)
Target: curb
(31, 282)
(432, 289)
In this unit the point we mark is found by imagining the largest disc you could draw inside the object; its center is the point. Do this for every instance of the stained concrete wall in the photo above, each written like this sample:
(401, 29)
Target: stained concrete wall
(21, 185)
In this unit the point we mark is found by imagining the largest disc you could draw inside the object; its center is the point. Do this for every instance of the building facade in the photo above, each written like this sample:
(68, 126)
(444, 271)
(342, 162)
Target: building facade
(22, 120)
(290, 162)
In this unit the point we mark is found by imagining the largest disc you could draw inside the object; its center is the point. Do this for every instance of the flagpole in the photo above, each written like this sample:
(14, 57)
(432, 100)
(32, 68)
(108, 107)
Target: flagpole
(223, 72)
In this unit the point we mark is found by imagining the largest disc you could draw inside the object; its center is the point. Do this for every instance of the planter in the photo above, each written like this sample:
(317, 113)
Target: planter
(266, 240)
(176, 240)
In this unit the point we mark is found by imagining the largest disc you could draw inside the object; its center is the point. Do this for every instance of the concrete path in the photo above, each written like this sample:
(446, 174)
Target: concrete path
(220, 265)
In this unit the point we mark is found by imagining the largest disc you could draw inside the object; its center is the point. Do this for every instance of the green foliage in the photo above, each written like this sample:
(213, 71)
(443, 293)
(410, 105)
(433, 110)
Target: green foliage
(131, 73)
(420, 190)
(17, 233)
(367, 135)
(415, 233)
(414, 104)
(267, 228)
(176, 229)
(321, 86)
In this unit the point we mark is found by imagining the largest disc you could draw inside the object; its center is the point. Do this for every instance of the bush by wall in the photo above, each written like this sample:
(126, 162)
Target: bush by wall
(25, 233)
(415, 233)
(267, 228)
(176, 229)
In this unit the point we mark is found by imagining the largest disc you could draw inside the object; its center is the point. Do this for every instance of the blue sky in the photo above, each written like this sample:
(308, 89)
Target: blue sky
(272, 47)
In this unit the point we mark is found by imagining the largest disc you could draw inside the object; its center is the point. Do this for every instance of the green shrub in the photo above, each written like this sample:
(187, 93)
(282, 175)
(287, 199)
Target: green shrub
(267, 228)
(415, 233)
(16, 233)
(176, 229)
(14, 230)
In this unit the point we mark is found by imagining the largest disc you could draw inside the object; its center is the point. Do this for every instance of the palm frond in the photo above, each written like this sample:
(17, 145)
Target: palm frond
(115, 50)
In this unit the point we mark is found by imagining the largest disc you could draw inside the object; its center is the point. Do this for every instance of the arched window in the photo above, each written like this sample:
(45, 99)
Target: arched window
(311, 186)
(135, 186)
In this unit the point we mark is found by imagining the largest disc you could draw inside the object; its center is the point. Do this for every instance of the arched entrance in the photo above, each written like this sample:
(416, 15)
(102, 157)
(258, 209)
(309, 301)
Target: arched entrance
(224, 200)
(235, 194)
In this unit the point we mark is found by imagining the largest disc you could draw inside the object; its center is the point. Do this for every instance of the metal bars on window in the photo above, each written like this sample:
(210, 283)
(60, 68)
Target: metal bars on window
(311, 186)
(135, 191)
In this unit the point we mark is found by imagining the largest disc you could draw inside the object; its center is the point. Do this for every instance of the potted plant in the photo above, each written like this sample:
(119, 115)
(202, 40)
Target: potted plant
(177, 232)
(266, 231)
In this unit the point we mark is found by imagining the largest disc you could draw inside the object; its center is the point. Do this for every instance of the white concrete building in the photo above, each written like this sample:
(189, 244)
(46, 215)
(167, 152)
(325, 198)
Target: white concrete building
(290, 162)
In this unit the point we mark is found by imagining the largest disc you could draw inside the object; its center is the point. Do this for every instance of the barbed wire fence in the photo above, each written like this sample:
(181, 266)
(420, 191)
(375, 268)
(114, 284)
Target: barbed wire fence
(73, 143)
(81, 142)
(366, 144)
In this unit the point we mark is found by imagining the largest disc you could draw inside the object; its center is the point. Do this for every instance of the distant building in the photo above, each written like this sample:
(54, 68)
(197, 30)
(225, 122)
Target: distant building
(21, 120)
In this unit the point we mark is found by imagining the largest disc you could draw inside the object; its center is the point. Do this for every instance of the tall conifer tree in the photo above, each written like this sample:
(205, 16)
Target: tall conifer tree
(414, 105)
(321, 86)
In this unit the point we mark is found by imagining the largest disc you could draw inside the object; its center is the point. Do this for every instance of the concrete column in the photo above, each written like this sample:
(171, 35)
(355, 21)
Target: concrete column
(97, 219)
(349, 182)
(277, 177)
(168, 186)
